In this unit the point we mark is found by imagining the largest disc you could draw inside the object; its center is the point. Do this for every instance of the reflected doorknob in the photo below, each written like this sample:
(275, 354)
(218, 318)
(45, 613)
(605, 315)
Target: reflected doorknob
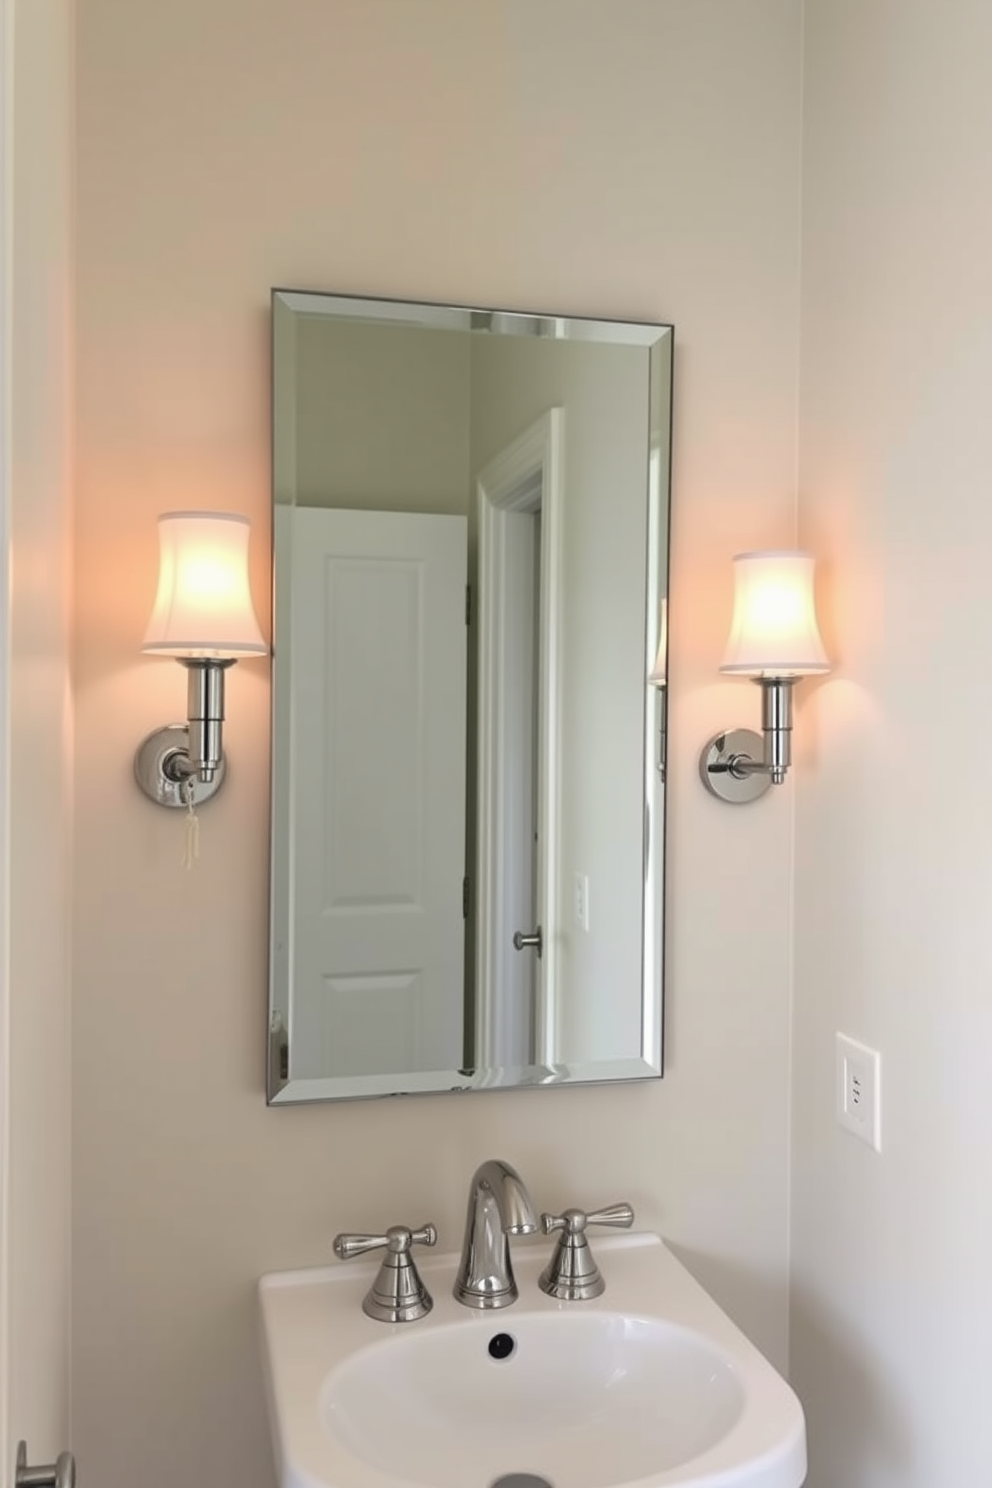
(522, 942)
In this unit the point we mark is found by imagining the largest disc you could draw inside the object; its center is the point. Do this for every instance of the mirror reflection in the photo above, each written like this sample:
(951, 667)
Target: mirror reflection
(470, 573)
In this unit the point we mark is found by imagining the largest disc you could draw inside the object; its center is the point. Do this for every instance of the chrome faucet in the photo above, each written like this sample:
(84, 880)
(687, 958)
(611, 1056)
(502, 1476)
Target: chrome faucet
(498, 1205)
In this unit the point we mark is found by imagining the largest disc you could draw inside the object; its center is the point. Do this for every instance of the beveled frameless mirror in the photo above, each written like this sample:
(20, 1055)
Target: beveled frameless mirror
(470, 584)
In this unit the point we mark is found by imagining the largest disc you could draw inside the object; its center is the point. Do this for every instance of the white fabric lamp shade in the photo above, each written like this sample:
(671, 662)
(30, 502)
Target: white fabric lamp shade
(203, 606)
(774, 631)
(658, 675)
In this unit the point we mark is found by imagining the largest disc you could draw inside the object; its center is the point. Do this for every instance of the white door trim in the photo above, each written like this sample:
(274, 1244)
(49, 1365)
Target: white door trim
(504, 487)
(6, 105)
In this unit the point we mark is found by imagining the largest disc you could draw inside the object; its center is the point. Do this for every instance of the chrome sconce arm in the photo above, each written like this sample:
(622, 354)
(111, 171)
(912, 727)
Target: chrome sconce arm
(774, 640)
(205, 715)
(180, 758)
(739, 765)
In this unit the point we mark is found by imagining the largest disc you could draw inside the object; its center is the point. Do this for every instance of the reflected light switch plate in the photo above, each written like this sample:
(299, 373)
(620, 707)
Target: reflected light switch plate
(581, 900)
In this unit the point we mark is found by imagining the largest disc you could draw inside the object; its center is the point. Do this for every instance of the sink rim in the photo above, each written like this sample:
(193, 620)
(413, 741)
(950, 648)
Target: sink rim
(321, 1308)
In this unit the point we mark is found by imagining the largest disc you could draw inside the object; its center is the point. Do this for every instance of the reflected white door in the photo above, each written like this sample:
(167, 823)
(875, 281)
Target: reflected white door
(378, 783)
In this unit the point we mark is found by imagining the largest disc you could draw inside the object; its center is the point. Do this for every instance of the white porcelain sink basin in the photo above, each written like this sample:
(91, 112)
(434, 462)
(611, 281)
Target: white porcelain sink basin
(658, 1394)
(650, 1384)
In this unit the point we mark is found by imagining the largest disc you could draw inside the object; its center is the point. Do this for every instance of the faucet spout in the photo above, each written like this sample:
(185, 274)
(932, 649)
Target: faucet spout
(498, 1205)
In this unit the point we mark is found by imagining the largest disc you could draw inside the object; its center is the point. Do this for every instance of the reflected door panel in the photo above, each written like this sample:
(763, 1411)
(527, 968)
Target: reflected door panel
(378, 758)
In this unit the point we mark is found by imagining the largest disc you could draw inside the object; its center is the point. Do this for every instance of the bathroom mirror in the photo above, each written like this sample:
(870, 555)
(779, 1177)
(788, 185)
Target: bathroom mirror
(470, 523)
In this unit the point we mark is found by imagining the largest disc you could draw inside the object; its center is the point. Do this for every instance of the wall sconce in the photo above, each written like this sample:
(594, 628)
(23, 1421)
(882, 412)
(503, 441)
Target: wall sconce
(773, 639)
(203, 616)
(658, 678)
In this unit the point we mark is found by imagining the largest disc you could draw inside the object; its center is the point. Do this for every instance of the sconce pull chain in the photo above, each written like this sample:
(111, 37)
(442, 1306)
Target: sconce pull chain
(191, 826)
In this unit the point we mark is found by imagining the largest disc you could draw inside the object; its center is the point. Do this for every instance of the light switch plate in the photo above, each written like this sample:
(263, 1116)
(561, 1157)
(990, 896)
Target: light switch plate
(859, 1090)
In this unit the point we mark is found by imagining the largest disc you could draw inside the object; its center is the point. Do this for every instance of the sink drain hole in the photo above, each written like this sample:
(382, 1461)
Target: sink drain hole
(521, 1480)
(501, 1346)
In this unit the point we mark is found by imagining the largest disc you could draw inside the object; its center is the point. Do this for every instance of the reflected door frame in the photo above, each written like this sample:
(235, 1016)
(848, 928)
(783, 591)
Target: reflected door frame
(526, 476)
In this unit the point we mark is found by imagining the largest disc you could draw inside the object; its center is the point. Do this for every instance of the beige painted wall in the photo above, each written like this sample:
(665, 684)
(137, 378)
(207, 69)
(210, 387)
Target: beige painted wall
(544, 155)
(382, 417)
(34, 1375)
(892, 1305)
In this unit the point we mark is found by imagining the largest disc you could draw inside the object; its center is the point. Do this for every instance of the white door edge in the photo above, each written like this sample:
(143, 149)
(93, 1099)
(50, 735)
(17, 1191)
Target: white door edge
(503, 487)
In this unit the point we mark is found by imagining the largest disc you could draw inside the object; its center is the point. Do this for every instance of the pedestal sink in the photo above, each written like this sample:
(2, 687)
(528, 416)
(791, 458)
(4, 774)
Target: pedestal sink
(650, 1384)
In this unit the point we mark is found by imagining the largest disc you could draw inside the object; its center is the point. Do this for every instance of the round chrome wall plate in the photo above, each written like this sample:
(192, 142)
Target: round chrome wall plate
(715, 766)
(151, 768)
